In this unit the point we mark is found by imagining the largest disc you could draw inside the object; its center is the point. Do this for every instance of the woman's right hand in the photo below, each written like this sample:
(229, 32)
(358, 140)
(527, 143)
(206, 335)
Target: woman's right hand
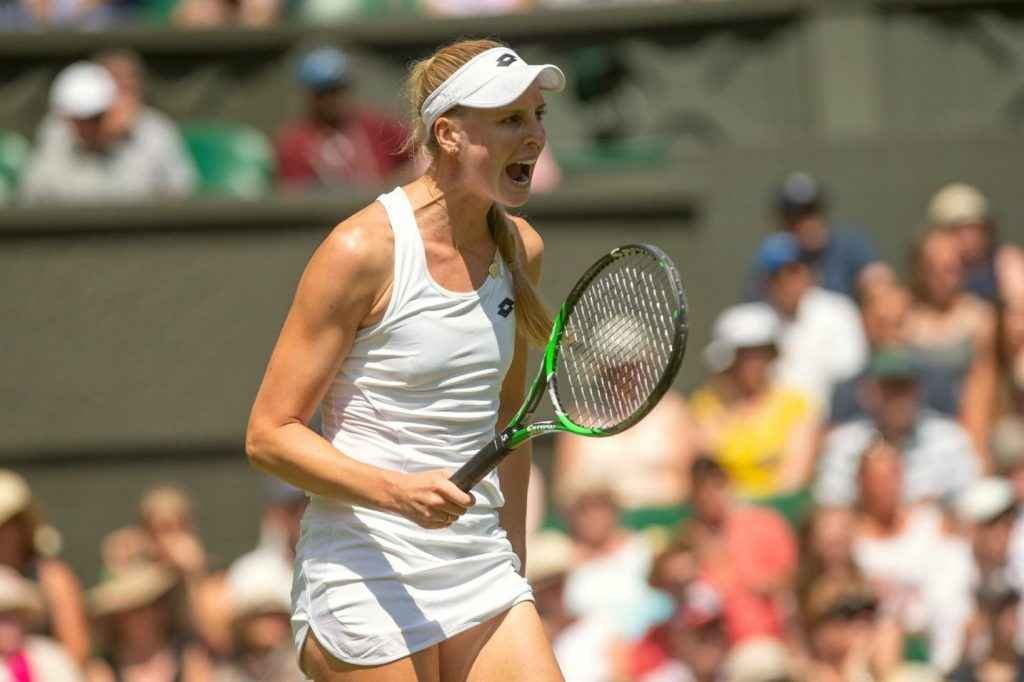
(429, 499)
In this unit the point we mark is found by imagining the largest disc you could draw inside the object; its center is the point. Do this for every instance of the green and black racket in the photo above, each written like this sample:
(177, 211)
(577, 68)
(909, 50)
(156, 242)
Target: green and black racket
(615, 347)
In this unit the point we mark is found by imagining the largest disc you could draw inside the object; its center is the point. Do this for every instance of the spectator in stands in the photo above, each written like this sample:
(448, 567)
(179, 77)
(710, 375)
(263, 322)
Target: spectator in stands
(660, 447)
(85, 152)
(821, 341)
(695, 639)
(939, 458)
(213, 13)
(954, 329)
(747, 553)
(611, 563)
(994, 631)
(840, 257)
(587, 647)
(993, 271)
(848, 638)
(989, 511)
(898, 547)
(759, 431)
(884, 311)
(75, 14)
(29, 547)
(141, 639)
(259, 594)
(826, 549)
(1008, 452)
(339, 142)
(24, 656)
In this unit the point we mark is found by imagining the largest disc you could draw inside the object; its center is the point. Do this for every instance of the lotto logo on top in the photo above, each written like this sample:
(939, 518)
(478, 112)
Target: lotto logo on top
(505, 307)
(506, 59)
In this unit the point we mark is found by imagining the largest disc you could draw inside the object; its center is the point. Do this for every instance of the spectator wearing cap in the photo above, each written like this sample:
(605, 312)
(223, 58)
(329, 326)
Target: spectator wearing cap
(988, 509)
(821, 340)
(993, 271)
(747, 553)
(899, 548)
(848, 637)
(30, 548)
(339, 142)
(939, 458)
(954, 329)
(587, 646)
(696, 644)
(25, 656)
(141, 635)
(884, 312)
(761, 432)
(840, 256)
(79, 156)
(259, 592)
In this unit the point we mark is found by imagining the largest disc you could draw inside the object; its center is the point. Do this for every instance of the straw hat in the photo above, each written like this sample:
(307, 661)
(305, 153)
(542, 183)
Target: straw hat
(958, 203)
(259, 583)
(548, 554)
(15, 495)
(759, 660)
(20, 595)
(132, 588)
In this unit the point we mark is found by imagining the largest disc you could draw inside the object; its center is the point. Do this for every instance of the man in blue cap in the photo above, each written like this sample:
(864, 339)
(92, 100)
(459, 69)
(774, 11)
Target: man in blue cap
(841, 257)
(338, 142)
(822, 340)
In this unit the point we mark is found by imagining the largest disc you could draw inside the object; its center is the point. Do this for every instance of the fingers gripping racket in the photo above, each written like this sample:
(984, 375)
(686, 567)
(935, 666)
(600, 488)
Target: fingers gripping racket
(615, 347)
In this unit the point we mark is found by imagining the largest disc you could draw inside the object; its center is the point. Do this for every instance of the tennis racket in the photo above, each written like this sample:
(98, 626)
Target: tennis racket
(615, 347)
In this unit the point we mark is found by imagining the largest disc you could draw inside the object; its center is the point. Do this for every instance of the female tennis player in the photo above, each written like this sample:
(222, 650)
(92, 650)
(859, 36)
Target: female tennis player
(411, 324)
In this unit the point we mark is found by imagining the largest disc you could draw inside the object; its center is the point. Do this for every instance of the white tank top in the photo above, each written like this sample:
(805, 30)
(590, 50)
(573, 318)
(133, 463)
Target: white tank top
(419, 390)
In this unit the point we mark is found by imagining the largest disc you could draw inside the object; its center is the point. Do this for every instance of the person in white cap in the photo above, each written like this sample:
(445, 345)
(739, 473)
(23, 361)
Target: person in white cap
(78, 157)
(26, 657)
(761, 432)
(411, 326)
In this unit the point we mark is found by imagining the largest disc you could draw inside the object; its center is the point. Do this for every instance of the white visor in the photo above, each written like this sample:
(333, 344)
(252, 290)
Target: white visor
(492, 79)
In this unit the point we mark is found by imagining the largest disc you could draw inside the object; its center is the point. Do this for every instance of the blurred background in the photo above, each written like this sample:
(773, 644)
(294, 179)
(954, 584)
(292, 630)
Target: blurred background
(830, 493)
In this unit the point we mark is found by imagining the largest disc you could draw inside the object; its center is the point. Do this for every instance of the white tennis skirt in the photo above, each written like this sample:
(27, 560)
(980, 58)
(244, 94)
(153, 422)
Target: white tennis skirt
(375, 587)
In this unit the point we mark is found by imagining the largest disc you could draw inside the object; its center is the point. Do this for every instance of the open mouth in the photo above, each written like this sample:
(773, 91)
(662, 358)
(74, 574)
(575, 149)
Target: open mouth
(520, 173)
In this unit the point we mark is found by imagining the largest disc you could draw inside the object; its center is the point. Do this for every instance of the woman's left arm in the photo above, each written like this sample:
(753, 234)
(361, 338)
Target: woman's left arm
(514, 470)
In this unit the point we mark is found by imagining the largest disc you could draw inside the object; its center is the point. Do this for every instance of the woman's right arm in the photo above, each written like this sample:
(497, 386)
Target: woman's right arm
(347, 279)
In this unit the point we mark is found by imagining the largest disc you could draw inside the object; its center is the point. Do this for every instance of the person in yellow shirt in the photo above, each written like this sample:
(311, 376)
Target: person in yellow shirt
(761, 432)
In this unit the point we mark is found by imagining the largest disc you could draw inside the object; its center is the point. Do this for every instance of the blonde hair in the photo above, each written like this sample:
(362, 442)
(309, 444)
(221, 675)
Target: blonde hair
(425, 76)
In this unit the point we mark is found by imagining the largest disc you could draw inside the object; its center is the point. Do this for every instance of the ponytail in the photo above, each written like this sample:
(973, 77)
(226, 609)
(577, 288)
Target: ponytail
(532, 317)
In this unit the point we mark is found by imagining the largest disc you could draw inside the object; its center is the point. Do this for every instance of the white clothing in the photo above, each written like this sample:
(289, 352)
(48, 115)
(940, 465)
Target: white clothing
(939, 460)
(418, 391)
(614, 588)
(48, 661)
(583, 651)
(924, 579)
(822, 346)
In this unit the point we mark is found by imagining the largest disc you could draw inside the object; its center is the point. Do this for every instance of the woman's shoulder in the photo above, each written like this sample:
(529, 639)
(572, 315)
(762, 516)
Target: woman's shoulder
(362, 243)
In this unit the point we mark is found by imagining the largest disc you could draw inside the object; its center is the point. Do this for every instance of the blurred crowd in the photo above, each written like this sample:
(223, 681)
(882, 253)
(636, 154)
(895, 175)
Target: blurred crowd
(22, 15)
(840, 499)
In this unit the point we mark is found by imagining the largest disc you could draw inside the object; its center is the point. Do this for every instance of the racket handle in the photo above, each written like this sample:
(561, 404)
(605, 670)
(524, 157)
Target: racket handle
(480, 464)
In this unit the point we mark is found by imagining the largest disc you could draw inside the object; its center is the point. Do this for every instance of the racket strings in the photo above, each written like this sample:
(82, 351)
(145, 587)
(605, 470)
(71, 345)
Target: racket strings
(618, 342)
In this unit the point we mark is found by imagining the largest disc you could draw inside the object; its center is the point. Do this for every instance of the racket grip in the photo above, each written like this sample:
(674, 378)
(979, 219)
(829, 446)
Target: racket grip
(473, 471)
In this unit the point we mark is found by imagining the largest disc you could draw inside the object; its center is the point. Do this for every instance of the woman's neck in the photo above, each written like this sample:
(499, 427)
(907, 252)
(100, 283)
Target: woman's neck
(446, 208)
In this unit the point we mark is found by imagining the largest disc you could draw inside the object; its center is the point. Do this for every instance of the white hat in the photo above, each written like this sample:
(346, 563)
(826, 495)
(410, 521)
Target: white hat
(15, 495)
(260, 582)
(746, 325)
(548, 553)
(494, 78)
(131, 588)
(758, 660)
(985, 499)
(82, 90)
(957, 203)
(18, 594)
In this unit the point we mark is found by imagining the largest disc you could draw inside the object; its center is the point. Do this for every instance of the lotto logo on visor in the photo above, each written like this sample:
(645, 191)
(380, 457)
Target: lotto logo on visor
(494, 78)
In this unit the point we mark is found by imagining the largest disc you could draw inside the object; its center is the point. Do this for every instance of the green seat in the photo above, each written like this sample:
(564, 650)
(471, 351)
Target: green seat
(14, 151)
(234, 160)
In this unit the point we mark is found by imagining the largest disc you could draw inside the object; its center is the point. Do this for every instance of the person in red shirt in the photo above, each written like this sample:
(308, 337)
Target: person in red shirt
(338, 142)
